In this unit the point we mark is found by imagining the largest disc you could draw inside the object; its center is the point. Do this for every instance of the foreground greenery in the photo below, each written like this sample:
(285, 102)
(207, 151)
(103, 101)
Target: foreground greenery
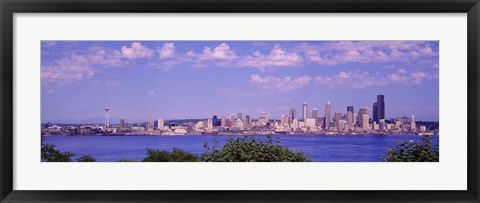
(251, 150)
(50, 154)
(413, 151)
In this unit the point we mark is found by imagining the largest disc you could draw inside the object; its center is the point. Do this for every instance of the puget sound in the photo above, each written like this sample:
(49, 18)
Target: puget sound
(321, 148)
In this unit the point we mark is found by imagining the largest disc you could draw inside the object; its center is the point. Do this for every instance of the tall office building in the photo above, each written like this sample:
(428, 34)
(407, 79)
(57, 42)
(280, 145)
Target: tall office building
(361, 112)
(284, 120)
(160, 124)
(365, 121)
(337, 116)
(314, 115)
(375, 112)
(232, 119)
(210, 124)
(380, 108)
(122, 123)
(240, 116)
(413, 127)
(350, 120)
(247, 122)
(265, 117)
(304, 111)
(291, 115)
(223, 121)
(328, 115)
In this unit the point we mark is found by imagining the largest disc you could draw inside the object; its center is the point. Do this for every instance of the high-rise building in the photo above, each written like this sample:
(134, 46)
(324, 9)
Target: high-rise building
(232, 119)
(284, 120)
(151, 125)
(240, 116)
(122, 123)
(304, 111)
(248, 122)
(328, 115)
(223, 121)
(314, 115)
(210, 124)
(337, 116)
(160, 124)
(350, 119)
(292, 115)
(413, 127)
(365, 121)
(375, 112)
(361, 112)
(380, 107)
(265, 117)
(239, 124)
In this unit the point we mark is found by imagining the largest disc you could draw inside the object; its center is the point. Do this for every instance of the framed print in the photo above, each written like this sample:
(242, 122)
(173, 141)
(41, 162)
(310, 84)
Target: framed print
(239, 101)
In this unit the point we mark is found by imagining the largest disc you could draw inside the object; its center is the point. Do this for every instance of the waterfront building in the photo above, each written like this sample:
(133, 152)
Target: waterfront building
(232, 119)
(337, 116)
(365, 121)
(223, 122)
(284, 120)
(380, 108)
(423, 128)
(160, 124)
(209, 124)
(304, 111)
(382, 124)
(264, 118)
(292, 115)
(122, 123)
(328, 115)
(350, 120)
(412, 124)
(361, 112)
(239, 124)
(294, 124)
(199, 126)
(342, 125)
(314, 115)
(311, 124)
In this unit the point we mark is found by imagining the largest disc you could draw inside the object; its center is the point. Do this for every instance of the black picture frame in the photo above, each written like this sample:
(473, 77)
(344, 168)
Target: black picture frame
(10, 7)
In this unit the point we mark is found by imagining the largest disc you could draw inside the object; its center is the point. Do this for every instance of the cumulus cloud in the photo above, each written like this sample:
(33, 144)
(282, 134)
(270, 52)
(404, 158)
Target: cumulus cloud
(283, 84)
(167, 50)
(276, 57)
(220, 52)
(137, 50)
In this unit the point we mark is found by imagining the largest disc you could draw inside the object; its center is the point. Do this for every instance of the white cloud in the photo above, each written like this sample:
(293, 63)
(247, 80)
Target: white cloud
(137, 50)
(152, 93)
(167, 50)
(276, 57)
(280, 84)
(220, 52)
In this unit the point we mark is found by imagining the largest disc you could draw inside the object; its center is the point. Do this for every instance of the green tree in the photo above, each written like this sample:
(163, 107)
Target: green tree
(177, 155)
(86, 158)
(413, 151)
(50, 154)
(251, 150)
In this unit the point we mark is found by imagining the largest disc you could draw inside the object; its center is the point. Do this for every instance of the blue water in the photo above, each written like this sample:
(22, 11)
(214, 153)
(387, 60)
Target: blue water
(321, 148)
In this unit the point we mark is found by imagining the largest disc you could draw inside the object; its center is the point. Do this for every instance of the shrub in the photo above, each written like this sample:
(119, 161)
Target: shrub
(50, 154)
(177, 155)
(413, 151)
(86, 158)
(251, 150)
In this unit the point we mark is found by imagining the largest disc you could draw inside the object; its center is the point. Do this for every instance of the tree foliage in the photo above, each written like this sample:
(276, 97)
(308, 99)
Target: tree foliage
(251, 150)
(413, 151)
(177, 155)
(86, 158)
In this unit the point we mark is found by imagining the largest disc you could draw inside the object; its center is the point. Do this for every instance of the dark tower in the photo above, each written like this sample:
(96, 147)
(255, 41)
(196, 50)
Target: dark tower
(380, 108)
(375, 112)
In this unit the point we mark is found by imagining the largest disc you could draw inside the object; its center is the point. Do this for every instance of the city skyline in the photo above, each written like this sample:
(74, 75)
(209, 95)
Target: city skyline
(140, 81)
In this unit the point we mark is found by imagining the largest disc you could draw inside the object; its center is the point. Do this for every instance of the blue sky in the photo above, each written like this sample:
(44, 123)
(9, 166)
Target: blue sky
(148, 80)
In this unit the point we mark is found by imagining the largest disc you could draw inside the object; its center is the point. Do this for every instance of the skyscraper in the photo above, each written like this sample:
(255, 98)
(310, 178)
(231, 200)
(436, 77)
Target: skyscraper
(210, 124)
(350, 120)
(122, 123)
(304, 111)
(361, 111)
(314, 115)
(292, 115)
(247, 122)
(375, 112)
(413, 127)
(380, 108)
(337, 117)
(223, 121)
(232, 119)
(160, 124)
(240, 116)
(365, 121)
(328, 114)
(265, 117)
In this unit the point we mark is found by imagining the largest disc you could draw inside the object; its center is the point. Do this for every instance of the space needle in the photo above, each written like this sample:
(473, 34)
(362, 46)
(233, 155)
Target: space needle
(107, 123)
